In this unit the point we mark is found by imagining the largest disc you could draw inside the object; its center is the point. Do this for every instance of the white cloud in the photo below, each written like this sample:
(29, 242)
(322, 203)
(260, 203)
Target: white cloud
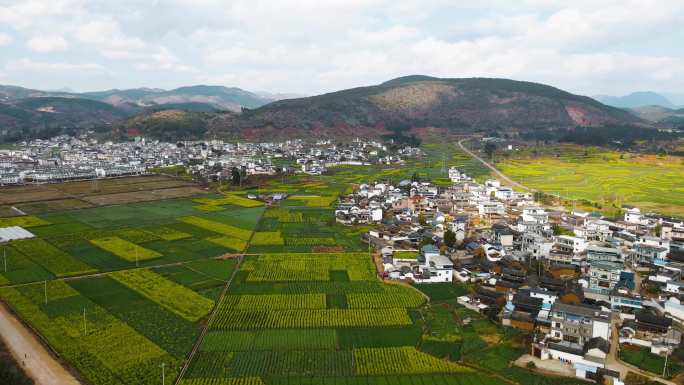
(311, 46)
(56, 67)
(46, 44)
(5, 39)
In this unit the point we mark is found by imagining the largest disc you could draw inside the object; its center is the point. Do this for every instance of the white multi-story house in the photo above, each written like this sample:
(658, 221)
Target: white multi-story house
(571, 244)
(433, 267)
(537, 245)
(597, 253)
(604, 275)
(490, 208)
(634, 216)
(579, 335)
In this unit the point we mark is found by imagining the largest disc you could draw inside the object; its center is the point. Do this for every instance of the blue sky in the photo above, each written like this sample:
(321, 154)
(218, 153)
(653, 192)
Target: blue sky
(315, 46)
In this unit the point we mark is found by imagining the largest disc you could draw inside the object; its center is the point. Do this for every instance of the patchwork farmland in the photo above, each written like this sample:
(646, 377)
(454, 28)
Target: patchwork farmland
(220, 289)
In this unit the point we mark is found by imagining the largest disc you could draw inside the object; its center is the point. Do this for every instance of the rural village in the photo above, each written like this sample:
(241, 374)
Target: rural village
(582, 288)
(579, 283)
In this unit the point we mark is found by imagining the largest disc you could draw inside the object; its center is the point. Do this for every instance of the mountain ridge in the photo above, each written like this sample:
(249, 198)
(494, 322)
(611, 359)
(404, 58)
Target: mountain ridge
(402, 106)
(411, 102)
(230, 98)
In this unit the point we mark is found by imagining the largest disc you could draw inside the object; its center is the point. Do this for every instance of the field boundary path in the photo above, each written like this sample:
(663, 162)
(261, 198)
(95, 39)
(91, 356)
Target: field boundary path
(492, 168)
(147, 267)
(30, 353)
(203, 333)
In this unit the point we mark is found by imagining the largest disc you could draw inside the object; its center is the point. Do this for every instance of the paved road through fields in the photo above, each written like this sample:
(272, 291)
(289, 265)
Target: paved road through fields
(494, 169)
(38, 363)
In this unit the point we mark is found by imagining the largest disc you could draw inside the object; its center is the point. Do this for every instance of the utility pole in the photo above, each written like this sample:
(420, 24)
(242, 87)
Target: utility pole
(162, 367)
(665, 366)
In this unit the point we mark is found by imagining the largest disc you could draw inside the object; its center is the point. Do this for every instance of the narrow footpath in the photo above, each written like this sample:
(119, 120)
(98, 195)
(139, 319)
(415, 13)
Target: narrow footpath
(28, 351)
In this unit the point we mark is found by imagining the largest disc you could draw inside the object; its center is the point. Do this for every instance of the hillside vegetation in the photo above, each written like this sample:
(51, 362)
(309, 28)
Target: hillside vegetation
(413, 102)
(398, 108)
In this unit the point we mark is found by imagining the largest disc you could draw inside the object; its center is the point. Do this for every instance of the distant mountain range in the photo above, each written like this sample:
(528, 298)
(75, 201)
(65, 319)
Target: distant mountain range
(636, 99)
(232, 99)
(29, 113)
(403, 106)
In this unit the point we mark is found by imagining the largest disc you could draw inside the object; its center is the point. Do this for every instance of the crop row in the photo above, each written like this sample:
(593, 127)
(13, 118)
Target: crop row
(319, 241)
(315, 200)
(308, 267)
(274, 302)
(210, 364)
(281, 339)
(393, 296)
(228, 242)
(108, 352)
(416, 379)
(170, 295)
(307, 287)
(217, 227)
(400, 360)
(209, 208)
(223, 381)
(316, 318)
(267, 238)
(167, 233)
(23, 221)
(292, 363)
(230, 199)
(284, 215)
(125, 249)
(51, 258)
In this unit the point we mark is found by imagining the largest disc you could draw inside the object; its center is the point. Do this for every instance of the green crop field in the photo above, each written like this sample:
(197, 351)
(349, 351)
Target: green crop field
(303, 305)
(125, 249)
(605, 178)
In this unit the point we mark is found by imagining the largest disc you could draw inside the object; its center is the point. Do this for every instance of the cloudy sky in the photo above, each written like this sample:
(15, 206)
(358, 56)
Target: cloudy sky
(313, 46)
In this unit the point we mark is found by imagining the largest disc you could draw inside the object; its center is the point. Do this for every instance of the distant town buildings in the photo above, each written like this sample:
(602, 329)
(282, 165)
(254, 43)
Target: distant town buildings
(65, 158)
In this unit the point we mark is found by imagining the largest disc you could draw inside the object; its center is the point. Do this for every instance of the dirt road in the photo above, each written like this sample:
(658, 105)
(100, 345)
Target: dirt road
(38, 363)
(613, 361)
(494, 169)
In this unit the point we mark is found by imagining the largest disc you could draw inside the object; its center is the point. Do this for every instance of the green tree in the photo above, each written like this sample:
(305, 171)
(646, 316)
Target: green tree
(489, 149)
(421, 219)
(449, 238)
(558, 230)
(235, 176)
(658, 230)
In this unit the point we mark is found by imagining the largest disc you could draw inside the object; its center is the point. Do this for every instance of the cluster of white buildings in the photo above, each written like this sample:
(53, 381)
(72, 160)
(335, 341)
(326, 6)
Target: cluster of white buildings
(64, 158)
(566, 277)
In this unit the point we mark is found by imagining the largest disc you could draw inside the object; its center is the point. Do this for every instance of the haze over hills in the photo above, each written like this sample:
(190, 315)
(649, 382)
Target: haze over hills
(401, 106)
(637, 99)
(28, 112)
(660, 115)
(229, 98)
